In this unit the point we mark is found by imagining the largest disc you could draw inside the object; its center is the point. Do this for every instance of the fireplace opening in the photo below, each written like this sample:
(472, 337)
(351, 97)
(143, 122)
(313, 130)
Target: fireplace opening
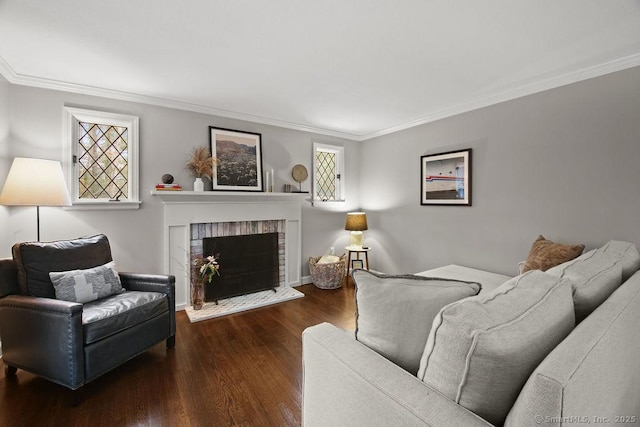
(248, 263)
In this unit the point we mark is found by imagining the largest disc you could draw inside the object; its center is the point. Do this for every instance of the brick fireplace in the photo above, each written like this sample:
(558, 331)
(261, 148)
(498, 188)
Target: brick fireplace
(201, 233)
(187, 212)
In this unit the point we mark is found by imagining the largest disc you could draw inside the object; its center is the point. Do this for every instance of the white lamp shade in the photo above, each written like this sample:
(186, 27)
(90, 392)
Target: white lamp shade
(35, 182)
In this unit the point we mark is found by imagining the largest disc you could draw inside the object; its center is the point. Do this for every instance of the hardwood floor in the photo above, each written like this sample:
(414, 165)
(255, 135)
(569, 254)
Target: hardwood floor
(239, 370)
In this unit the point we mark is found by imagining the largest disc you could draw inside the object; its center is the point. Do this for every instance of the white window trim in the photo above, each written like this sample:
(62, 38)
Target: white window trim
(339, 151)
(70, 143)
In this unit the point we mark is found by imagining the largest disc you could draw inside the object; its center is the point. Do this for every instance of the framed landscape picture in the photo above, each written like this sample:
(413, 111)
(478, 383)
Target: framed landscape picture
(239, 155)
(446, 178)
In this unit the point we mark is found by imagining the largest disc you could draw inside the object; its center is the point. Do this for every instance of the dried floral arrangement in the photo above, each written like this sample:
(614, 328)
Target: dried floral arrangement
(206, 268)
(201, 163)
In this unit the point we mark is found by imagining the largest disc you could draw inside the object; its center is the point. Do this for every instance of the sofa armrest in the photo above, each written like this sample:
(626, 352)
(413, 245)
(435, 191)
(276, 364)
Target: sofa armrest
(348, 384)
(43, 336)
(165, 284)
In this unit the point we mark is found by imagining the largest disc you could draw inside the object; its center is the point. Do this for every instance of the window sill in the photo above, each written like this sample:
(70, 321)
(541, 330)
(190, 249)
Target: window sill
(327, 203)
(100, 206)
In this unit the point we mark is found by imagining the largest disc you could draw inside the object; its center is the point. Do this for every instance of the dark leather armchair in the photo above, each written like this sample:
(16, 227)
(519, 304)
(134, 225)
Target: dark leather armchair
(71, 343)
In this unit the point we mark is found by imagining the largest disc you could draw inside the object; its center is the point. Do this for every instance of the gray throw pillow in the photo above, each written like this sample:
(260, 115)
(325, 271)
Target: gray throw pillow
(481, 350)
(395, 313)
(86, 285)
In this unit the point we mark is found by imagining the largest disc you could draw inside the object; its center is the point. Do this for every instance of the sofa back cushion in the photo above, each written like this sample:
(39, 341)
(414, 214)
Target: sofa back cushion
(395, 313)
(594, 276)
(35, 260)
(481, 350)
(595, 371)
(627, 252)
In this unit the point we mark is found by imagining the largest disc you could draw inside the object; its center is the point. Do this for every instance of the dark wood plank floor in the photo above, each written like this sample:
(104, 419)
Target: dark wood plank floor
(239, 370)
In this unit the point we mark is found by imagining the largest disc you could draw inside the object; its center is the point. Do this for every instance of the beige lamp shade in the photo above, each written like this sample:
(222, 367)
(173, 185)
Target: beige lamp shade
(356, 223)
(35, 182)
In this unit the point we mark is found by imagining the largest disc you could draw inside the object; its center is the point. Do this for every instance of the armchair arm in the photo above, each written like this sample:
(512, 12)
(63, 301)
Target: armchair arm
(348, 384)
(43, 336)
(165, 284)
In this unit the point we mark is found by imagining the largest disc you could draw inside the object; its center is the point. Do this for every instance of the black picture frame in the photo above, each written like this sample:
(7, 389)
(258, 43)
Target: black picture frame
(357, 263)
(446, 178)
(239, 160)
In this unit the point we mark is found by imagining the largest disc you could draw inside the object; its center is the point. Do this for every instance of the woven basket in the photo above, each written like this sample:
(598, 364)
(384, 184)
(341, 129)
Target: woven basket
(327, 276)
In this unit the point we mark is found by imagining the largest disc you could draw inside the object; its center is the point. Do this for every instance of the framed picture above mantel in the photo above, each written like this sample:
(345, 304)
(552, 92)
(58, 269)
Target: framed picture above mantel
(239, 155)
(446, 178)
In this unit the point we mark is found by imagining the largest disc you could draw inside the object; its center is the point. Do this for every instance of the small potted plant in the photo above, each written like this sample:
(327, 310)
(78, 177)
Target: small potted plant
(204, 269)
(201, 165)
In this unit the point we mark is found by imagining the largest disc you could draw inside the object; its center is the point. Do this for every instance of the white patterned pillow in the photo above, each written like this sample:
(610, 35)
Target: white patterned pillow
(86, 285)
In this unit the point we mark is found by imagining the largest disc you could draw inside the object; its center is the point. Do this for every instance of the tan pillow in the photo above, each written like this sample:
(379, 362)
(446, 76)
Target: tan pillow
(545, 254)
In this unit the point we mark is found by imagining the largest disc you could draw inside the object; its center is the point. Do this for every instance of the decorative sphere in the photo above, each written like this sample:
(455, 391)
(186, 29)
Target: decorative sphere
(167, 178)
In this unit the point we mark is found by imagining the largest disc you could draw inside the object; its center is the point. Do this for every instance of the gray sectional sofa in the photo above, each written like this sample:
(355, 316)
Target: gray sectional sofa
(552, 348)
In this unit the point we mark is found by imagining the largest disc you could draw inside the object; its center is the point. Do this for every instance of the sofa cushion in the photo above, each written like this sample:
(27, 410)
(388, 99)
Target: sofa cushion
(594, 276)
(118, 312)
(86, 285)
(628, 254)
(594, 371)
(488, 280)
(394, 313)
(35, 260)
(545, 254)
(481, 350)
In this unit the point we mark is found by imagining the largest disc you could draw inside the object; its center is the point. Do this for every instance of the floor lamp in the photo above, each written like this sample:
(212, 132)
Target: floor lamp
(35, 182)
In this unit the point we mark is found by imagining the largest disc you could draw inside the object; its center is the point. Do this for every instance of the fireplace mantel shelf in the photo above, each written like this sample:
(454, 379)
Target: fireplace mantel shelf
(225, 196)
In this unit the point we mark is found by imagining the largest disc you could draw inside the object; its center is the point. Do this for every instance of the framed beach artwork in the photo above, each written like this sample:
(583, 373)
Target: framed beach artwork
(239, 160)
(446, 178)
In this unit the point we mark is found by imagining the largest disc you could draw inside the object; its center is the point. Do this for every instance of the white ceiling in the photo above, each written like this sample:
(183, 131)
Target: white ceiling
(350, 68)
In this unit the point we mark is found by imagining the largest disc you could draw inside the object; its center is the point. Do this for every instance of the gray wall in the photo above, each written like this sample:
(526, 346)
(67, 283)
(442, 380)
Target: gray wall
(167, 137)
(564, 163)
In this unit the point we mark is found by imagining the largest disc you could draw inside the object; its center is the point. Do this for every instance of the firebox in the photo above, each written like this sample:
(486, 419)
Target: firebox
(248, 263)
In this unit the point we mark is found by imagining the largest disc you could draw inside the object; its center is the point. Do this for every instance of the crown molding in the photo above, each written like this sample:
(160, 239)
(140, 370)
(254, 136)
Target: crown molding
(19, 79)
(484, 101)
(517, 92)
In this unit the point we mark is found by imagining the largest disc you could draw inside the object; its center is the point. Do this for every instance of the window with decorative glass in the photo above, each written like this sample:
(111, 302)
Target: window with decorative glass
(102, 158)
(328, 172)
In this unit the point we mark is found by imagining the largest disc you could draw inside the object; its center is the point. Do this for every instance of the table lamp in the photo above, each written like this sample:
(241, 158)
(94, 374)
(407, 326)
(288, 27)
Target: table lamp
(35, 182)
(356, 223)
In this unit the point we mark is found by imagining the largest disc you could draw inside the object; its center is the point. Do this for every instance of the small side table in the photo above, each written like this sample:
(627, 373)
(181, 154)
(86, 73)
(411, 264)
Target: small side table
(357, 250)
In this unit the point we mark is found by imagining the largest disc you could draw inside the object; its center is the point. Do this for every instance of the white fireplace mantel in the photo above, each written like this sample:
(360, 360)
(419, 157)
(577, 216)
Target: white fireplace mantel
(226, 196)
(183, 208)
